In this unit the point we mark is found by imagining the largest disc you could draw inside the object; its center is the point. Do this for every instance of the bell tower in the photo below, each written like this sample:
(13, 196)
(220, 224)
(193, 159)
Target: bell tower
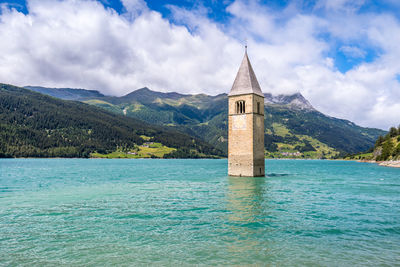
(246, 124)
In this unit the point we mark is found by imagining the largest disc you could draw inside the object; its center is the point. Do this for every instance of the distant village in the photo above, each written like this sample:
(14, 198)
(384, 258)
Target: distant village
(145, 144)
(291, 154)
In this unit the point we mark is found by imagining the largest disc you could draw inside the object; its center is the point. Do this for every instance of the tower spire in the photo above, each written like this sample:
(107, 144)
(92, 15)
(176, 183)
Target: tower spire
(246, 80)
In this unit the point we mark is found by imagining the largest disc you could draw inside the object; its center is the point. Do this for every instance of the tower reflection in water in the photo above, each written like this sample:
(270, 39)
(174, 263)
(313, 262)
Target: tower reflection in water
(246, 204)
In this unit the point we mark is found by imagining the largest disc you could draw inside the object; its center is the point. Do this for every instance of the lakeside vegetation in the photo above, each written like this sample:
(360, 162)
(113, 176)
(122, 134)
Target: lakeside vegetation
(146, 150)
(386, 148)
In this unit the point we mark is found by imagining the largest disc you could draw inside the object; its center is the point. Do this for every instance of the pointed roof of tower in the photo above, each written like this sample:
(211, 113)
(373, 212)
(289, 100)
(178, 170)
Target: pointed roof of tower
(246, 81)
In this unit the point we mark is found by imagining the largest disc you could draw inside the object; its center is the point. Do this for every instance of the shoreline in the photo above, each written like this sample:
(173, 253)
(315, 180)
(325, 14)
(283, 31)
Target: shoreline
(163, 158)
(100, 158)
(392, 164)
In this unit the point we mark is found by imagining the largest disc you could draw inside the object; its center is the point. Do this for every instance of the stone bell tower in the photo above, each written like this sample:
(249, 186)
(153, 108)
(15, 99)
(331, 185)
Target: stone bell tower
(246, 124)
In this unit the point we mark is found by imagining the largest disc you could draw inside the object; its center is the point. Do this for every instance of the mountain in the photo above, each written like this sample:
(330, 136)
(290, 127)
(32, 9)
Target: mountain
(145, 95)
(36, 125)
(293, 127)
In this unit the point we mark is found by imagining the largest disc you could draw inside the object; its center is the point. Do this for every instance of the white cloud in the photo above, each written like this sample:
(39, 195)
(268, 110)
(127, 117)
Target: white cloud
(134, 8)
(353, 51)
(77, 43)
(348, 6)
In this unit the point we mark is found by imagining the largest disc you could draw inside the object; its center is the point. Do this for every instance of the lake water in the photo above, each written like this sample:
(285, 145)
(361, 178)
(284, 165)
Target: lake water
(100, 212)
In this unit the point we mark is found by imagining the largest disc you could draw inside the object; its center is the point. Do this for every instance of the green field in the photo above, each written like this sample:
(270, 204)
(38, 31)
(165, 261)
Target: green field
(148, 150)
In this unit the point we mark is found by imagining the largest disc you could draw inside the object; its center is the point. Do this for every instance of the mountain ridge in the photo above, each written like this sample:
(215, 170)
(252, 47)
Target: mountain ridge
(78, 94)
(292, 124)
(66, 93)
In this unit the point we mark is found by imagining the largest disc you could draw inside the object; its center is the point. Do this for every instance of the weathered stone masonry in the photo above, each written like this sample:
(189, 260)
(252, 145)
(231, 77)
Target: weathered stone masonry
(246, 124)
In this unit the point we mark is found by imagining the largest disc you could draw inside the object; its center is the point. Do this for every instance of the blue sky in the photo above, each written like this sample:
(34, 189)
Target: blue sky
(340, 54)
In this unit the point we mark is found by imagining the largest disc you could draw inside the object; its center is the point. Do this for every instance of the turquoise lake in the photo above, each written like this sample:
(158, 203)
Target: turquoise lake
(96, 212)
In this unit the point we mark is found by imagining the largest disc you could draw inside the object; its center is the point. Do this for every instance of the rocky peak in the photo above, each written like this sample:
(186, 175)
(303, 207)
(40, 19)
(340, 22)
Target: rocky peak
(296, 101)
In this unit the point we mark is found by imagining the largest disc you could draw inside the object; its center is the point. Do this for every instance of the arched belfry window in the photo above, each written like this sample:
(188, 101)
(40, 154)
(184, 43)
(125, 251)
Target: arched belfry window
(240, 107)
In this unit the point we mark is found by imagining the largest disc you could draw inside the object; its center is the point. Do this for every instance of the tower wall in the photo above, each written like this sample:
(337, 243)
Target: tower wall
(246, 137)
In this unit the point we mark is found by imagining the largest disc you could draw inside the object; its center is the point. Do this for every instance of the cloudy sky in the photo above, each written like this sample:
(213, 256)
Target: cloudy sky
(342, 55)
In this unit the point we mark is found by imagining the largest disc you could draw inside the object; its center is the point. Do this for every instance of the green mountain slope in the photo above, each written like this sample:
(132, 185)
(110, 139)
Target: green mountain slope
(387, 148)
(340, 135)
(37, 125)
(293, 128)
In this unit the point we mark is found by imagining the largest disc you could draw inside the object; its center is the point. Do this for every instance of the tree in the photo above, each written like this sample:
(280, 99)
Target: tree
(379, 141)
(387, 150)
(396, 151)
(393, 132)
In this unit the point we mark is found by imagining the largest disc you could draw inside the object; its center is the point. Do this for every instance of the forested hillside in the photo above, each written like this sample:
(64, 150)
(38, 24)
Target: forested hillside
(37, 125)
(387, 148)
